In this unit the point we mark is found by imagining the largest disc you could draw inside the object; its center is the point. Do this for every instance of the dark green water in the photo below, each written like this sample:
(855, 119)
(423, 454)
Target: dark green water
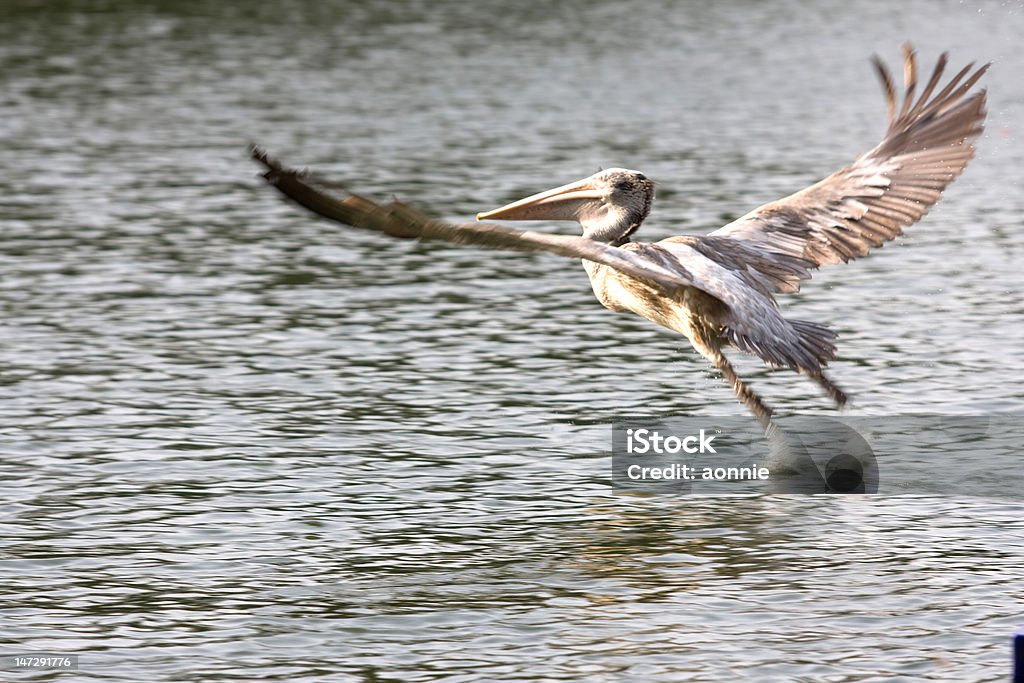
(237, 443)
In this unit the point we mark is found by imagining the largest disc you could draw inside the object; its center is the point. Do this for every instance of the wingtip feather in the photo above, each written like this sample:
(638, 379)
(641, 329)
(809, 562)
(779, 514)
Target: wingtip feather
(887, 86)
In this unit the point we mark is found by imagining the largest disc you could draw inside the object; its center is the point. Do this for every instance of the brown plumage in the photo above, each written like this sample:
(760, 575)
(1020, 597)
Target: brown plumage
(718, 289)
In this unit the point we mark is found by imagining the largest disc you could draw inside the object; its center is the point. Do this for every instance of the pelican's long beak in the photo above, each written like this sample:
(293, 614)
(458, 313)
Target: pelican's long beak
(560, 204)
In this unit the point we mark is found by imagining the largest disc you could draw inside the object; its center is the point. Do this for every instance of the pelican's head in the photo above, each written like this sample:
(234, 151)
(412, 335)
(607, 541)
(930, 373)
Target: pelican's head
(610, 205)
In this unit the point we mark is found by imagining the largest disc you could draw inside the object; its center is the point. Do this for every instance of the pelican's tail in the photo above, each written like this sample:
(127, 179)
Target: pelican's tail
(796, 344)
(817, 341)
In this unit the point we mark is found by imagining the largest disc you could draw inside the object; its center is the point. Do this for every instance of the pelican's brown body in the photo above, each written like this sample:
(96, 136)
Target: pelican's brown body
(709, 323)
(719, 289)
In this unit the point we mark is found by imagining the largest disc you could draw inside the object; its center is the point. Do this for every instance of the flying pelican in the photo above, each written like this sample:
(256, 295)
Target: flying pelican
(717, 289)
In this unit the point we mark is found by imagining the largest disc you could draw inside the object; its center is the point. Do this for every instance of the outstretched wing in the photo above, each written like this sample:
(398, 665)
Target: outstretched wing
(401, 220)
(927, 145)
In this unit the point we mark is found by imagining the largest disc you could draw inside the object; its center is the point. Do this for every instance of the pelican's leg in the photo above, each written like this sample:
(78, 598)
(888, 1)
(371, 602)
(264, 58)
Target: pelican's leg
(834, 392)
(711, 350)
(747, 396)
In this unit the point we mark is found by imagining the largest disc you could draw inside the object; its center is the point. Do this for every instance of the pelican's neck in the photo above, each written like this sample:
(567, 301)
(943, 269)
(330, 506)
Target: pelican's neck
(614, 229)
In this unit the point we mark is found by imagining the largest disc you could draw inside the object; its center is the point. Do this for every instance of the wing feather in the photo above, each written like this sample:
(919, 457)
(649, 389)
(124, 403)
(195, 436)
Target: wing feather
(927, 145)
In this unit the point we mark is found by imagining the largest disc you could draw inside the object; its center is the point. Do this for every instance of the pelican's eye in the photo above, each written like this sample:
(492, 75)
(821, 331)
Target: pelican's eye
(623, 185)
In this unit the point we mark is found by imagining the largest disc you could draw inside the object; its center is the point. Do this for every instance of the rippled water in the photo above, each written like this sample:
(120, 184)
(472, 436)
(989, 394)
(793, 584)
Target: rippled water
(239, 443)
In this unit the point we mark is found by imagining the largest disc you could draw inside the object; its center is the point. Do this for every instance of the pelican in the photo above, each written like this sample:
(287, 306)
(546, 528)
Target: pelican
(718, 289)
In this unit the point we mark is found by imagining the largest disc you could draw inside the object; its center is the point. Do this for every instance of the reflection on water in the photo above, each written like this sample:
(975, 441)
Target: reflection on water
(237, 442)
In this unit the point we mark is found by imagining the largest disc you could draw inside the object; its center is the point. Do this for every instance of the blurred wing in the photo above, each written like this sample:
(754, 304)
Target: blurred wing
(927, 145)
(400, 220)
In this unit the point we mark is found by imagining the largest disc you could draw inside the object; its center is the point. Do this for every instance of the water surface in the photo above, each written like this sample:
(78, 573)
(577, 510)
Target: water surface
(241, 443)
